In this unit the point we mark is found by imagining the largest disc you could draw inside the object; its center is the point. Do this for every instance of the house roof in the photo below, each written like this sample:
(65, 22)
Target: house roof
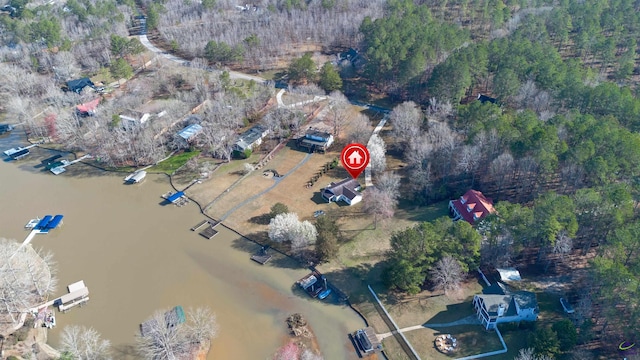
(190, 131)
(79, 84)
(88, 107)
(484, 98)
(247, 138)
(493, 302)
(525, 299)
(473, 206)
(346, 187)
(317, 135)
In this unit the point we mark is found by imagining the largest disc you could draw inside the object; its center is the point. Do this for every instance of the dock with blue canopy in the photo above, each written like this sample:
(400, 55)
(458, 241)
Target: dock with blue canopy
(179, 198)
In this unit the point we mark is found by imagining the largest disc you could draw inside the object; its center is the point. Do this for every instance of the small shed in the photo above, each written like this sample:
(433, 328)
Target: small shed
(509, 274)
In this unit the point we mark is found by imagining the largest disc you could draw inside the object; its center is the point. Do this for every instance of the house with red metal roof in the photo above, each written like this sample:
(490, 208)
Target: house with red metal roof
(471, 207)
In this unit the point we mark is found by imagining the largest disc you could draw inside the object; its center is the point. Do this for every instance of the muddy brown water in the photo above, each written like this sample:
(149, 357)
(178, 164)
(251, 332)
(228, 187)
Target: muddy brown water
(136, 256)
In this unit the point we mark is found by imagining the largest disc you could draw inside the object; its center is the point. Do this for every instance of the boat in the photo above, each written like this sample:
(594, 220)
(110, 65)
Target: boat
(32, 223)
(566, 306)
(324, 294)
(313, 283)
(49, 320)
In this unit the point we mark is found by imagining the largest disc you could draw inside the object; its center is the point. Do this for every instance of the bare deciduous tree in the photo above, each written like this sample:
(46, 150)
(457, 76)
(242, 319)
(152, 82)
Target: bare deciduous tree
(163, 342)
(389, 183)
(528, 354)
(377, 150)
(359, 129)
(379, 204)
(81, 343)
(447, 274)
(339, 108)
(406, 120)
(27, 277)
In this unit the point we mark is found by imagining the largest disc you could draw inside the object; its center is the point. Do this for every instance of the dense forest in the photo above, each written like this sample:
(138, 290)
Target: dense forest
(557, 147)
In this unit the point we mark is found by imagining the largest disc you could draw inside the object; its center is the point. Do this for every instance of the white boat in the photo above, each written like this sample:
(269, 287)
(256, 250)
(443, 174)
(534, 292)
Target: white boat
(32, 223)
(49, 320)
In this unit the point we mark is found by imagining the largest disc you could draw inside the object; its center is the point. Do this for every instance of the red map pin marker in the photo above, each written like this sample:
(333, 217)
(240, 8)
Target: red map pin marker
(355, 157)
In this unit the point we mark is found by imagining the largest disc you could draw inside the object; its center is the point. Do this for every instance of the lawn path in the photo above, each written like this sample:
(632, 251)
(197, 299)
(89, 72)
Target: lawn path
(469, 320)
(277, 181)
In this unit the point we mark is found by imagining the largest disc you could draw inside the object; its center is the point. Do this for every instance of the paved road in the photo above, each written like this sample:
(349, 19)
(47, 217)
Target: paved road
(232, 74)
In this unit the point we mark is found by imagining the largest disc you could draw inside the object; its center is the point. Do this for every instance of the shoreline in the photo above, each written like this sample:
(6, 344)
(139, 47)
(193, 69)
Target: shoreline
(202, 213)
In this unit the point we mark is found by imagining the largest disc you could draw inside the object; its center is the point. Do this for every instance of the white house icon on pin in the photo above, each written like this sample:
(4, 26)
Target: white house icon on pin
(355, 158)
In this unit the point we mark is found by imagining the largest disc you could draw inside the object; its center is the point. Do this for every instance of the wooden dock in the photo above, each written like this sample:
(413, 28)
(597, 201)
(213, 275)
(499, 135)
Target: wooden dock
(262, 257)
(199, 225)
(209, 231)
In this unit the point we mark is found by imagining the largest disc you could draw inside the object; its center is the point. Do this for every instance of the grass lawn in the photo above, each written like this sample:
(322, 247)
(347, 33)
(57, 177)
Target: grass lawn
(471, 339)
(173, 163)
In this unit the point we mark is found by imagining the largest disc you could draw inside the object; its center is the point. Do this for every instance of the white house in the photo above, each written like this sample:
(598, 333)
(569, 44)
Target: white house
(494, 309)
(347, 190)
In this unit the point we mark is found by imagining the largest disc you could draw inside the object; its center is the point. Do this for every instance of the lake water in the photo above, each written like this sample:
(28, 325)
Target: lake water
(137, 256)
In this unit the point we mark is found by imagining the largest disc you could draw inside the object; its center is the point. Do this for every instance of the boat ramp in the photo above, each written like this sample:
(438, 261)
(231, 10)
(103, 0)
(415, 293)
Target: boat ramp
(136, 177)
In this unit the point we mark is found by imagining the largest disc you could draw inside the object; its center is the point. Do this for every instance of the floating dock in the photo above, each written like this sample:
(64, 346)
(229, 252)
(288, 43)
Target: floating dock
(178, 198)
(209, 232)
(78, 295)
(47, 223)
(366, 341)
(199, 225)
(12, 152)
(314, 284)
(58, 168)
(262, 257)
(136, 177)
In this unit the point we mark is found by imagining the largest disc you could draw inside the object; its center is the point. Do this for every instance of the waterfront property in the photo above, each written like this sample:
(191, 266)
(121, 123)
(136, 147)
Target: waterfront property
(471, 207)
(347, 190)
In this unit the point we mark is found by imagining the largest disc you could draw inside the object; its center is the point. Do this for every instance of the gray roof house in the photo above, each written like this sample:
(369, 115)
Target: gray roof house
(190, 132)
(493, 309)
(347, 190)
(250, 138)
(315, 140)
